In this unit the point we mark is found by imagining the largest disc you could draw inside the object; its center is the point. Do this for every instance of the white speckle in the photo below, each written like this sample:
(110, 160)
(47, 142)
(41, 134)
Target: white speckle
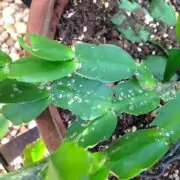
(60, 96)
(154, 52)
(4, 141)
(165, 35)
(134, 129)
(35, 50)
(12, 95)
(152, 36)
(128, 13)
(139, 49)
(84, 28)
(99, 106)
(106, 5)
(48, 87)
(148, 19)
(70, 102)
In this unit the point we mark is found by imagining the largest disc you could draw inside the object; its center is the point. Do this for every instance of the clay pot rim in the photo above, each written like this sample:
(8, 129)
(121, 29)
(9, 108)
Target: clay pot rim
(43, 19)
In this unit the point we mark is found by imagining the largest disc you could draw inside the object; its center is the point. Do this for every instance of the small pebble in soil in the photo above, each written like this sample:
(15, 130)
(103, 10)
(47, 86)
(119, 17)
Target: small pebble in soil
(32, 124)
(4, 140)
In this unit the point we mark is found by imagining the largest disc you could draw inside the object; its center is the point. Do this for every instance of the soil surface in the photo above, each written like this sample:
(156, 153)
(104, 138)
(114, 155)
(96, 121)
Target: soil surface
(89, 21)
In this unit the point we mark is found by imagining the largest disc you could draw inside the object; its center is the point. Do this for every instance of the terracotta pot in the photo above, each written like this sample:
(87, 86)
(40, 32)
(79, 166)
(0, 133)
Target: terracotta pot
(43, 19)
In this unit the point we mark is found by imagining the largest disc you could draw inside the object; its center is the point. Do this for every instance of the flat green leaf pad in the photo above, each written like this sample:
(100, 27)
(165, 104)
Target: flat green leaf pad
(87, 98)
(145, 77)
(132, 21)
(173, 64)
(157, 66)
(24, 112)
(4, 59)
(90, 133)
(65, 159)
(102, 174)
(12, 91)
(163, 11)
(107, 63)
(47, 49)
(131, 98)
(133, 153)
(32, 69)
(168, 119)
(34, 152)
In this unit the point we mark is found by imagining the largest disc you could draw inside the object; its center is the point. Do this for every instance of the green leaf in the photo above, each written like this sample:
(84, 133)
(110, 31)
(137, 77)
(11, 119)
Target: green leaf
(30, 173)
(133, 27)
(4, 59)
(88, 134)
(3, 74)
(157, 66)
(173, 64)
(102, 174)
(69, 162)
(4, 125)
(178, 29)
(34, 152)
(32, 69)
(157, 43)
(131, 98)
(104, 62)
(47, 49)
(163, 11)
(87, 98)
(12, 91)
(133, 153)
(167, 92)
(24, 112)
(129, 6)
(145, 77)
(168, 119)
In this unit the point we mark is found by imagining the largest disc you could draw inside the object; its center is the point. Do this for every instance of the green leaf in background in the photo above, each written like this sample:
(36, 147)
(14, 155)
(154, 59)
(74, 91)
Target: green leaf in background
(173, 64)
(88, 134)
(157, 66)
(47, 49)
(134, 28)
(4, 59)
(157, 43)
(4, 125)
(30, 173)
(133, 153)
(107, 63)
(145, 77)
(169, 119)
(163, 11)
(87, 98)
(3, 74)
(131, 98)
(32, 69)
(178, 29)
(167, 92)
(12, 91)
(129, 5)
(102, 174)
(24, 112)
(70, 162)
(34, 152)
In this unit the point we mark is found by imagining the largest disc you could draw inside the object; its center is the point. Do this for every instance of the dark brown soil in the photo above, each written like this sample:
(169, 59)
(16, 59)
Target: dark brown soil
(89, 21)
